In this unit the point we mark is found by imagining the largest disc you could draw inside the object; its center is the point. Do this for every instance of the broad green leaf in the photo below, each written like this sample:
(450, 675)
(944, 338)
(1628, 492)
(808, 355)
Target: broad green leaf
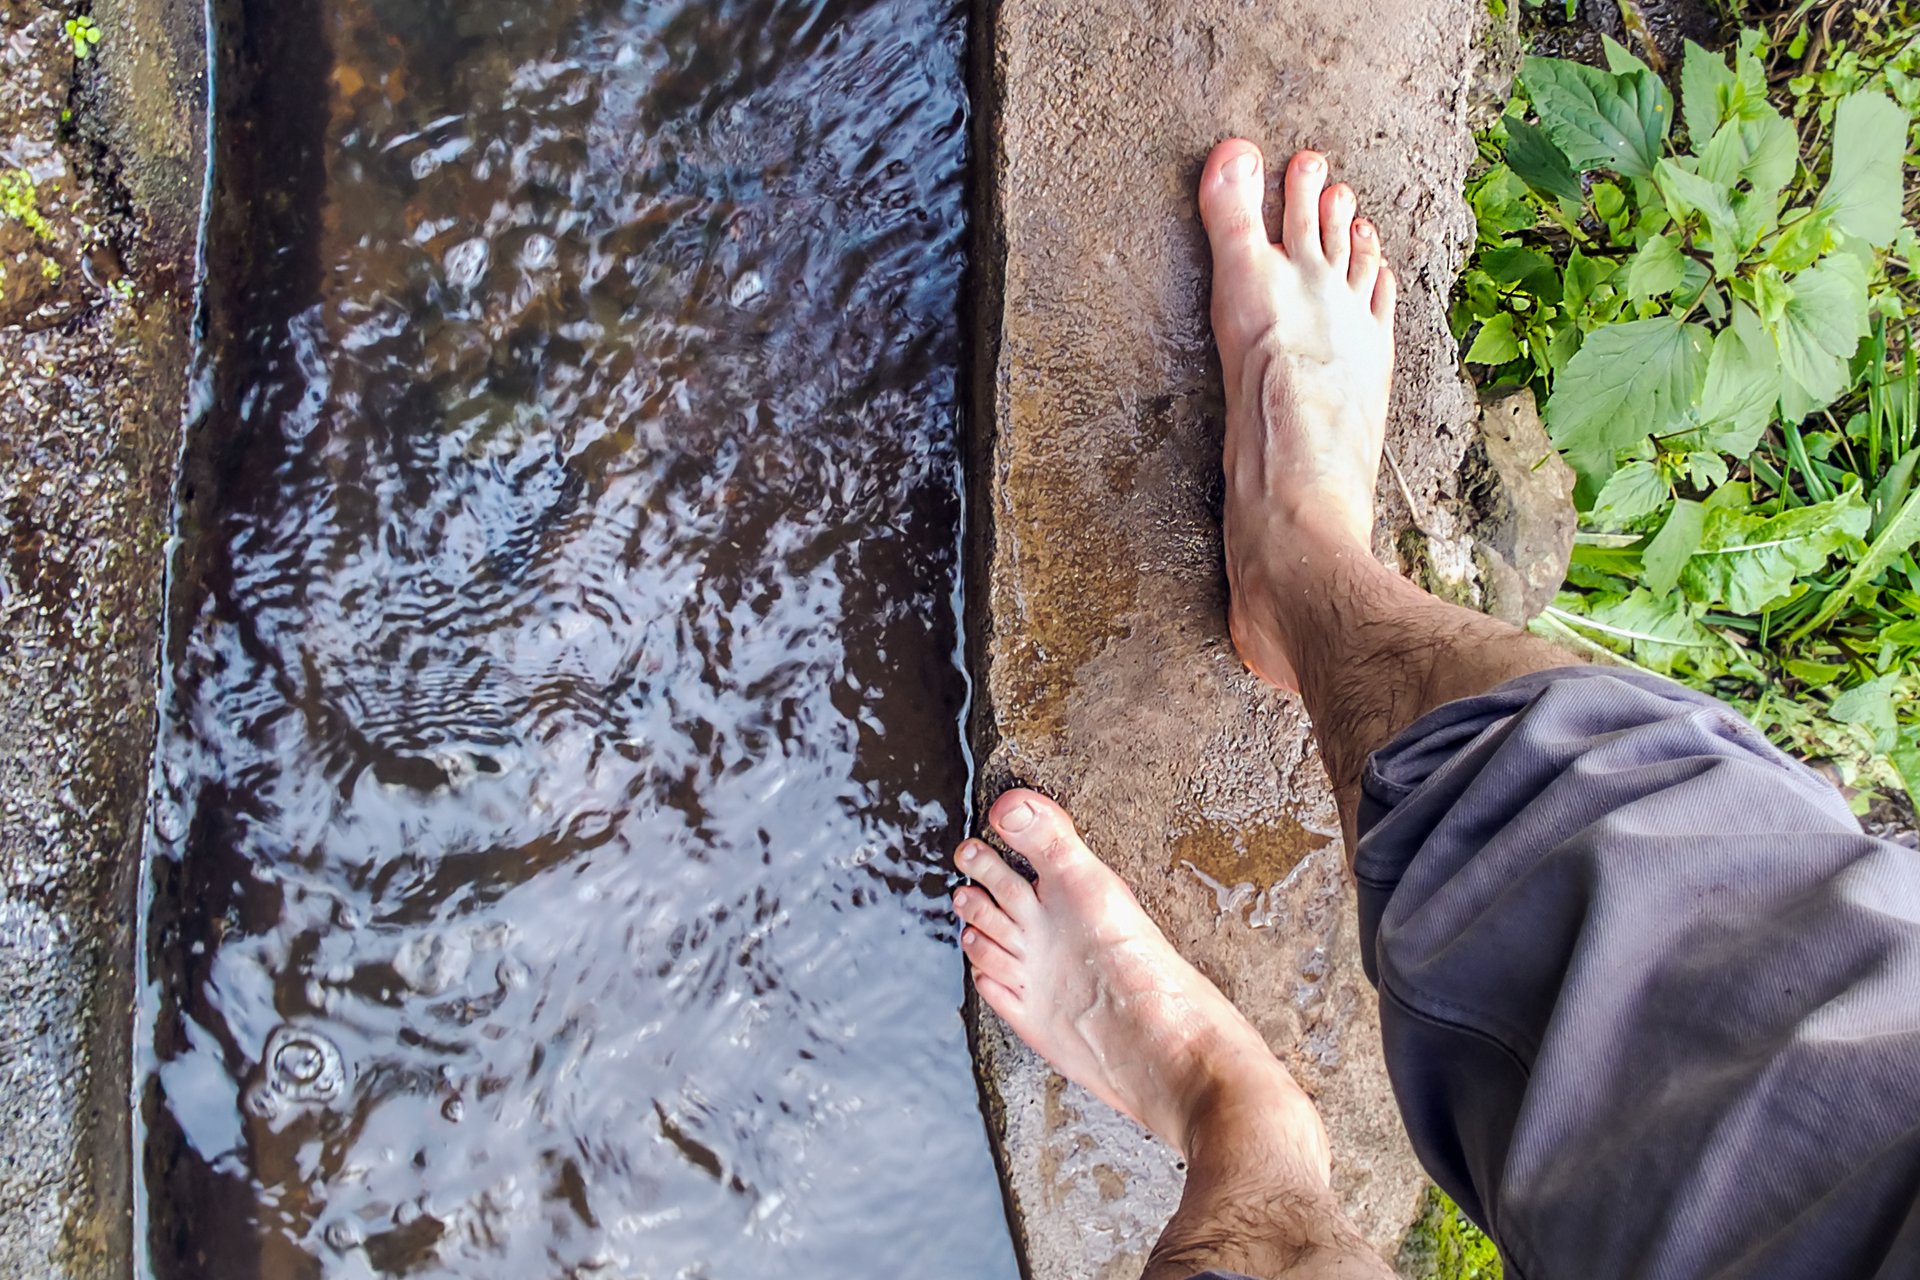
(1600, 120)
(1893, 541)
(1870, 706)
(1687, 193)
(1705, 468)
(1806, 237)
(1630, 495)
(1656, 270)
(1495, 343)
(1583, 276)
(1742, 386)
(1500, 205)
(1863, 190)
(1627, 382)
(1824, 321)
(1673, 546)
(1905, 758)
(1750, 562)
(1528, 268)
(1705, 83)
(1661, 630)
(1538, 163)
(1759, 148)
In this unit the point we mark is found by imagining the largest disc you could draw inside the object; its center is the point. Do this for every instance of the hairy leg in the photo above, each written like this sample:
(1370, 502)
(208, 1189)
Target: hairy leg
(1081, 974)
(1305, 330)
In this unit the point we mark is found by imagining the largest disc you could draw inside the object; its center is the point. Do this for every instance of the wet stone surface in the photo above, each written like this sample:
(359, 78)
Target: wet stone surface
(93, 323)
(1108, 679)
(563, 745)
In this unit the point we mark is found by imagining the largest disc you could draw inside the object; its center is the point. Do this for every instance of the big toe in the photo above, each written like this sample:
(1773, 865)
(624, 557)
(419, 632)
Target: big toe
(1038, 829)
(1232, 191)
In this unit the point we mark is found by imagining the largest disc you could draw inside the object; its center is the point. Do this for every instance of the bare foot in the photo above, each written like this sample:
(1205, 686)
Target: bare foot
(1084, 977)
(1305, 329)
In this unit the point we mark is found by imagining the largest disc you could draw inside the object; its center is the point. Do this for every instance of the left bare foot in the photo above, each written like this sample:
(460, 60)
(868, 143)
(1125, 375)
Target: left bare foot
(1085, 978)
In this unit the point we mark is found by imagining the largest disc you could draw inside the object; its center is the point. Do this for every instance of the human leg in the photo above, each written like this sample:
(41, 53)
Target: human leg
(1083, 976)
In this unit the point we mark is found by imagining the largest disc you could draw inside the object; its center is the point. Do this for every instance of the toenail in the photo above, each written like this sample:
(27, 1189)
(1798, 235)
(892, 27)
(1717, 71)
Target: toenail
(1364, 230)
(1018, 818)
(1240, 167)
(1311, 163)
(967, 853)
(968, 937)
(959, 897)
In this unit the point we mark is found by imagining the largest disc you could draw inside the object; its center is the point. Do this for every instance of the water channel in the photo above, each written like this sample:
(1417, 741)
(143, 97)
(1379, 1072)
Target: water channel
(562, 733)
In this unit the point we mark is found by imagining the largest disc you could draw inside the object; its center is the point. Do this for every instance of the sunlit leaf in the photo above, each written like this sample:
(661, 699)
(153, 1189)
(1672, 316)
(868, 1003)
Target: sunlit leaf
(1627, 381)
(1751, 562)
(1496, 342)
(1863, 189)
(1631, 494)
(1600, 120)
(1656, 269)
(1673, 546)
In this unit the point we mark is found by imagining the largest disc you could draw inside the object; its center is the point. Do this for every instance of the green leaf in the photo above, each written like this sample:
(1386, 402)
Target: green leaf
(1660, 630)
(1627, 381)
(1870, 706)
(1631, 494)
(1656, 270)
(1706, 469)
(1495, 343)
(1673, 546)
(1500, 205)
(1863, 190)
(1528, 268)
(1705, 83)
(1687, 192)
(1750, 562)
(1538, 163)
(1599, 120)
(1583, 276)
(1892, 542)
(1823, 323)
(1758, 147)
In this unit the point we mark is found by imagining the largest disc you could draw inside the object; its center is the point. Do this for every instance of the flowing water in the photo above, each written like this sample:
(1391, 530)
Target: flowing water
(562, 740)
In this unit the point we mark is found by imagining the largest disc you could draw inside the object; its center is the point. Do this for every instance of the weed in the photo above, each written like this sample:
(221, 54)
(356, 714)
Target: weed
(1711, 310)
(20, 201)
(85, 34)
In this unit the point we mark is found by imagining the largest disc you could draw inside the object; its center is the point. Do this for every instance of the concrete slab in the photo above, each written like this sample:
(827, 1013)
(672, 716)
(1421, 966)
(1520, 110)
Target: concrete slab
(1108, 679)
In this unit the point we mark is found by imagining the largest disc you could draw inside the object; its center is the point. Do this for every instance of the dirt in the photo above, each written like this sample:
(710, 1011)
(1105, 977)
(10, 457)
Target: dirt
(94, 319)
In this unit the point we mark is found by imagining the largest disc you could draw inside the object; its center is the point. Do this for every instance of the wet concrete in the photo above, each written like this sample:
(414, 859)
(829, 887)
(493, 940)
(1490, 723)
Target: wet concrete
(94, 323)
(1107, 673)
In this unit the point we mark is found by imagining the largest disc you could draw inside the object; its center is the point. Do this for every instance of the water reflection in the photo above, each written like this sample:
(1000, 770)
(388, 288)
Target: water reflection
(563, 734)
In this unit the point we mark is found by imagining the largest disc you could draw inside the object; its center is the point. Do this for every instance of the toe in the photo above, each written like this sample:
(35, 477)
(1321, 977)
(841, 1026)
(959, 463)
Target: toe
(1300, 215)
(1385, 291)
(977, 908)
(1336, 224)
(1000, 998)
(1364, 267)
(1039, 829)
(991, 959)
(1232, 189)
(1010, 890)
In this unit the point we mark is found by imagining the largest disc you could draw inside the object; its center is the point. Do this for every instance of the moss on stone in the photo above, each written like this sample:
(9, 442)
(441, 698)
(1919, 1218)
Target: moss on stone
(1443, 1245)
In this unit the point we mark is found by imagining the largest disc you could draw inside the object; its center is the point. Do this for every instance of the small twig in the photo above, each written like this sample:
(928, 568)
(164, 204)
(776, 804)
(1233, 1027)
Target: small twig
(1406, 494)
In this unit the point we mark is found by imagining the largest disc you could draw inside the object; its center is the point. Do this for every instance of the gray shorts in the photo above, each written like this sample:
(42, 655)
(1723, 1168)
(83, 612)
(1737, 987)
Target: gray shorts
(1650, 999)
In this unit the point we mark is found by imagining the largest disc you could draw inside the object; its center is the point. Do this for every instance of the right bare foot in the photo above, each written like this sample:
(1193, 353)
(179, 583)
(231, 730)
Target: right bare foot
(1081, 974)
(1305, 330)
